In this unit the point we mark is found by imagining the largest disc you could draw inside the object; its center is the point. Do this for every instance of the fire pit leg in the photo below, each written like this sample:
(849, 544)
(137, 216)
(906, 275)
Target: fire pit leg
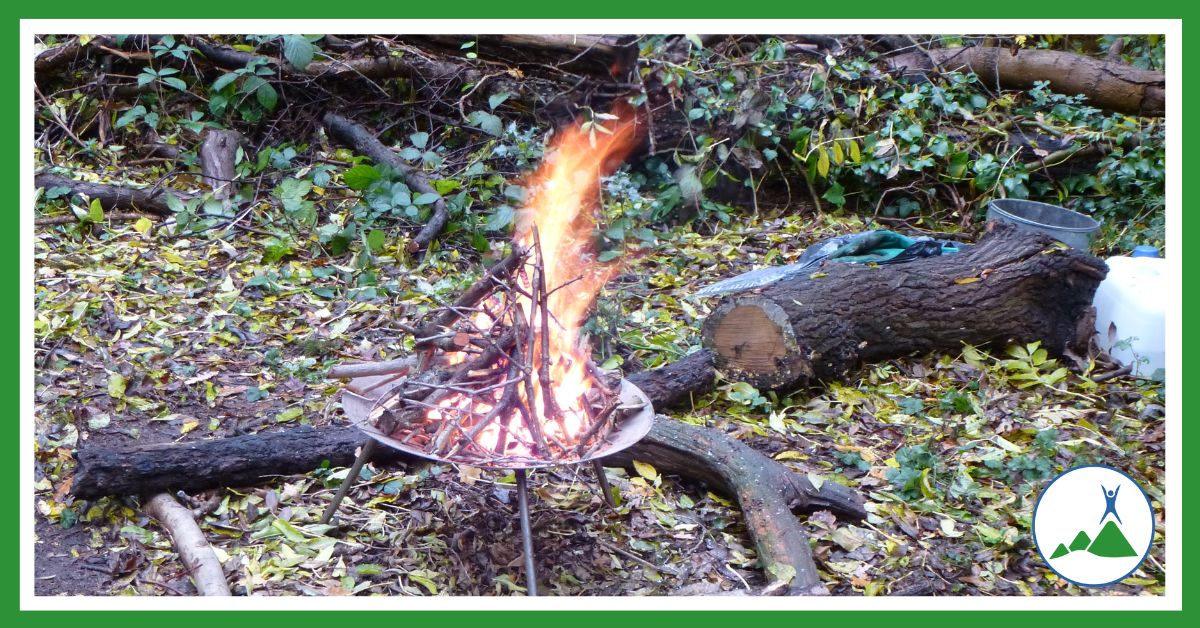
(602, 479)
(368, 448)
(526, 533)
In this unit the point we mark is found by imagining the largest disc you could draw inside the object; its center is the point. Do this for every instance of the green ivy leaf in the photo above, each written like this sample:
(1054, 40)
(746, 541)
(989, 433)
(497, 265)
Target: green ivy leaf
(487, 122)
(223, 81)
(95, 211)
(129, 116)
(376, 240)
(500, 219)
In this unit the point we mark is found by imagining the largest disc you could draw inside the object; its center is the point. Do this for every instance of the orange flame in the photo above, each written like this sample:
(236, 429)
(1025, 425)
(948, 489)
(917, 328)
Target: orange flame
(560, 217)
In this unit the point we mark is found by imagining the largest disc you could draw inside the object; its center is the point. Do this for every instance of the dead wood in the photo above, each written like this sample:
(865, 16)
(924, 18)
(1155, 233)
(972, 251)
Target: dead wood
(217, 154)
(110, 217)
(767, 491)
(1108, 85)
(113, 196)
(189, 541)
(1012, 287)
(52, 60)
(597, 55)
(364, 142)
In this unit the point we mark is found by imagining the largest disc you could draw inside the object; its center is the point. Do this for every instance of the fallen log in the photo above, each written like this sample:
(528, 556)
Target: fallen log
(1012, 287)
(364, 142)
(1108, 85)
(766, 491)
(111, 196)
(603, 55)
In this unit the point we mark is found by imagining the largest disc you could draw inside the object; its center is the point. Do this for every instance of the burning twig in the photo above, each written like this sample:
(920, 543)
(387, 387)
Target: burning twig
(515, 385)
(499, 406)
(476, 293)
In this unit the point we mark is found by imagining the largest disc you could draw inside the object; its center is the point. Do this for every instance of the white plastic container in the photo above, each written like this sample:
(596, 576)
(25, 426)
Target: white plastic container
(1132, 298)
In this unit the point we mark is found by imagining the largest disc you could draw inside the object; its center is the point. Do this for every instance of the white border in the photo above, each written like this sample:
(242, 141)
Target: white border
(1173, 30)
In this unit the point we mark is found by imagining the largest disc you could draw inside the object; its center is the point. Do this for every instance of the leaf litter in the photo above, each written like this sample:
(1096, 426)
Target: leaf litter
(145, 339)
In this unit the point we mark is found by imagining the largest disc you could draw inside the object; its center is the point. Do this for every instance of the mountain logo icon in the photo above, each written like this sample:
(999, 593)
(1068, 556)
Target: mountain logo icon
(1065, 514)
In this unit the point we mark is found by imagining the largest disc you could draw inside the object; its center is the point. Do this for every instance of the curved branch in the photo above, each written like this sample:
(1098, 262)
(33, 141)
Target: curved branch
(364, 142)
(189, 541)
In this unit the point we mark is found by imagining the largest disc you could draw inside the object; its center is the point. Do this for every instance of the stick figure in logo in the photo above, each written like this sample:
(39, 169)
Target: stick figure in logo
(1110, 503)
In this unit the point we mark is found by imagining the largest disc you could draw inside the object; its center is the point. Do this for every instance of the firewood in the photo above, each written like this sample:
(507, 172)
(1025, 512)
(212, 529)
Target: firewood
(1012, 287)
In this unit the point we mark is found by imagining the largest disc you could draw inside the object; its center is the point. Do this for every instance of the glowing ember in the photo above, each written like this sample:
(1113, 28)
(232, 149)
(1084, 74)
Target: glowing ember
(527, 392)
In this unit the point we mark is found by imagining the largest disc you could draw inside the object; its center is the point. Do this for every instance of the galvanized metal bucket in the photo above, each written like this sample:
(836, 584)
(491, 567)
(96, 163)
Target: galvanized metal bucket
(1071, 228)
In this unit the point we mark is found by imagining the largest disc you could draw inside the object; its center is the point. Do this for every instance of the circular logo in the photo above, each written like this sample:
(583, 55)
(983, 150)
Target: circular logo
(1093, 525)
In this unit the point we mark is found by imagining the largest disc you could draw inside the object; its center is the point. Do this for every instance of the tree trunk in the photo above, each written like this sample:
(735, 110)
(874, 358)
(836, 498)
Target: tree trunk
(1012, 287)
(1108, 85)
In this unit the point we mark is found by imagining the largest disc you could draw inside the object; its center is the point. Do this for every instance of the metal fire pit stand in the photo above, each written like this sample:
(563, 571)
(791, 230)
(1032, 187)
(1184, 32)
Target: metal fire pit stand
(361, 396)
(531, 579)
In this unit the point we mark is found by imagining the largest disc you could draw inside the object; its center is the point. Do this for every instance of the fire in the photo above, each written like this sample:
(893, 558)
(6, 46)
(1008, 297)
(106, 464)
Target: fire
(557, 228)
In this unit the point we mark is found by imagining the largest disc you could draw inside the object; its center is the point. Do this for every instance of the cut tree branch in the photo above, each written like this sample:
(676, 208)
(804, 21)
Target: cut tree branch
(364, 142)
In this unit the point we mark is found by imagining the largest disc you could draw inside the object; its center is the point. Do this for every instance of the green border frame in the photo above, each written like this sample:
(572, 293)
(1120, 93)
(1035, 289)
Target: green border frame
(11, 492)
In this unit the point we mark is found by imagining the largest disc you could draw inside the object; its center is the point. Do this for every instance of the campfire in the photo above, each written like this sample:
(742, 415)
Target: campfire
(502, 378)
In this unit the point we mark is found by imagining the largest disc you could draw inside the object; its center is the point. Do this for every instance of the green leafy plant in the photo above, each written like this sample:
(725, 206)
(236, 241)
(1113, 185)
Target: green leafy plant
(1030, 366)
(915, 472)
(236, 88)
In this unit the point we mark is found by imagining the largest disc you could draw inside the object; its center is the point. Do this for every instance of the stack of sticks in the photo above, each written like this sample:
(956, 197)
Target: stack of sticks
(484, 361)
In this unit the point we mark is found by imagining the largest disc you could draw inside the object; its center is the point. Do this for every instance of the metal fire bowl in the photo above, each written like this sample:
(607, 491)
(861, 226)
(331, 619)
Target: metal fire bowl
(359, 398)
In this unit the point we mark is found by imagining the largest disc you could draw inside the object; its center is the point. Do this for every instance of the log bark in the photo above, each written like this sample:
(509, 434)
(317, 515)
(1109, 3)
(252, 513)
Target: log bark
(1012, 287)
(111, 196)
(108, 217)
(1108, 85)
(364, 142)
(670, 385)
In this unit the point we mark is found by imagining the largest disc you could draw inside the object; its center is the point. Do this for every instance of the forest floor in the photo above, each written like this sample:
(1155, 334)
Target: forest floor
(148, 338)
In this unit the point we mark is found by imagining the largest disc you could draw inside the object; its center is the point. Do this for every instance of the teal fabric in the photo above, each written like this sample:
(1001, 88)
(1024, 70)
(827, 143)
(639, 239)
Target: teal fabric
(877, 247)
